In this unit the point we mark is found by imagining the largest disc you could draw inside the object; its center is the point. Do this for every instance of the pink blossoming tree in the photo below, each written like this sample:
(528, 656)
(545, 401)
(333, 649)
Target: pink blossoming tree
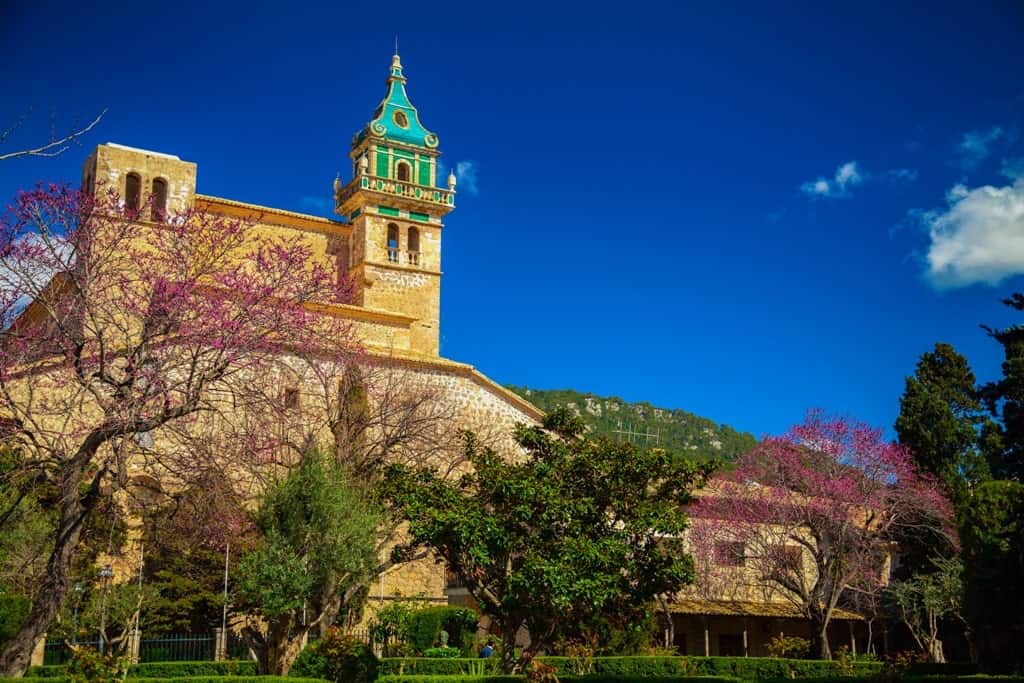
(119, 331)
(811, 516)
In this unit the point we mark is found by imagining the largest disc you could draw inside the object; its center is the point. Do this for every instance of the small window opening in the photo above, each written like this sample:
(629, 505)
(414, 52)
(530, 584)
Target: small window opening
(730, 553)
(403, 171)
(414, 247)
(159, 200)
(291, 398)
(392, 243)
(132, 193)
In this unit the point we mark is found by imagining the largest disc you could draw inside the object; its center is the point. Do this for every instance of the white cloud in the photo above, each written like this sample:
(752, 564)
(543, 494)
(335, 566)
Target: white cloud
(978, 238)
(850, 175)
(901, 175)
(465, 172)
(976, 145)
(29, 266)
(1013, 168)
(846, 176)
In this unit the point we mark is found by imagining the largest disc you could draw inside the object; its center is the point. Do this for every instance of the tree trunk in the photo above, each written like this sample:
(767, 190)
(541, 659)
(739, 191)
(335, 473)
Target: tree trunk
(508, 649)
(935, 651)
(16, 655)
(276, 650)
(819, 637)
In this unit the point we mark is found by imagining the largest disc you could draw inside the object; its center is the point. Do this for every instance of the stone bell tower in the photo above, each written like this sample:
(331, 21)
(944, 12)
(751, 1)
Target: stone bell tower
(395, 209)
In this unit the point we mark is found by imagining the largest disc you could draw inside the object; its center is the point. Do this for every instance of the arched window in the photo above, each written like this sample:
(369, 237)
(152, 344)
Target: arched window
(159, 200)
(132, 193)
(403, 170)
(414, 246)
(392, 243)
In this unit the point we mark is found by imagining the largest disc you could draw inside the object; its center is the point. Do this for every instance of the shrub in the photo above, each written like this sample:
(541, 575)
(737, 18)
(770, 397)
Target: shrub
(788, 647)
(226, 679)
(425, 628)
(162, 669)
(745, 668)
(46, 671)
(452, 679)
(390, 626)
(91, 666)
(645, 679)
(419, 666)
(347, 660)
(13, 610)
(539, 672)
(187, 669)
(442, 652)
(309, 663)
(619, 666)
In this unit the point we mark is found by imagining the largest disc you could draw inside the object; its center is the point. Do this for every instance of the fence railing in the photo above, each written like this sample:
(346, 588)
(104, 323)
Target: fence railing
(58, 652)
(177, 649)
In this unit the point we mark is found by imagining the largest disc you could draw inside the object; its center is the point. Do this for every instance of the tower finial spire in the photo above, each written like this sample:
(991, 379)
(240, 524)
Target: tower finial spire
(396, 43)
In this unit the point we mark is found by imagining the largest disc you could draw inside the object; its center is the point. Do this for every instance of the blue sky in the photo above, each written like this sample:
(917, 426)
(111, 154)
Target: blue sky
(739, 209)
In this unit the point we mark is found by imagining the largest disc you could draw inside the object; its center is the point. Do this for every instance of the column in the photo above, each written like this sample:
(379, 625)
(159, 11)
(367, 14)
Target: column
(219, 645)
(38, 652)
(134, 642)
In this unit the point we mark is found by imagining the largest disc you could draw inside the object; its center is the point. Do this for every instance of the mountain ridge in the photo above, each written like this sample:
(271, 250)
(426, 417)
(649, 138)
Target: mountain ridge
(644, 424)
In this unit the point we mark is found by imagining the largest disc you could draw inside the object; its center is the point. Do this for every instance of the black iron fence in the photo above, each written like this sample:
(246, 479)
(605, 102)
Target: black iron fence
(174, 648)
(181, 648)
(185, 648)
(58, 652)
(236, 647)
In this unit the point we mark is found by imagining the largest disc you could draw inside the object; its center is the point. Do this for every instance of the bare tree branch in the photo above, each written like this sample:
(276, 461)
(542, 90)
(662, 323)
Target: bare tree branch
(52, 148)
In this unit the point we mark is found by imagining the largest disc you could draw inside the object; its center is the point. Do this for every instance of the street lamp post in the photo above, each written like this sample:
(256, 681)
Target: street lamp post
(105, 575)
(74, 619)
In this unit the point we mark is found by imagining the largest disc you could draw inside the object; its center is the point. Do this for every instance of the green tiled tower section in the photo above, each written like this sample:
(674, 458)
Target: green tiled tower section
(397, 121)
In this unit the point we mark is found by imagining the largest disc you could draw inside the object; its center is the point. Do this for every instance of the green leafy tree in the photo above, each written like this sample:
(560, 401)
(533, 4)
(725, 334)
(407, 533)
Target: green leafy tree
(939, 420)
(924, 600)
(1005, 399)
(390, 627)
(318, 549)
(992, 532)
(570, 531)
(186, 537)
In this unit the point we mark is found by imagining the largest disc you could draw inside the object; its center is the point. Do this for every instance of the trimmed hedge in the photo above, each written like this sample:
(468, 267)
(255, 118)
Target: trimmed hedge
(567, 679)
(973, 678)
(243, 667)
(745, 668)
(597, 678)
(186, 679)
(945, 669)
(163, 669)
(432, 666)
(451, 679)
(227, 679)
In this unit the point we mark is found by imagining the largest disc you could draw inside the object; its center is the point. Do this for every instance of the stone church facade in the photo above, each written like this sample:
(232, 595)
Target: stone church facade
(386, 240)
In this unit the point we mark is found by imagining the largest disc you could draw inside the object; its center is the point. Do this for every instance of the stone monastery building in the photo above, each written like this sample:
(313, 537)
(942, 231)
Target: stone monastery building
(387, 239)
